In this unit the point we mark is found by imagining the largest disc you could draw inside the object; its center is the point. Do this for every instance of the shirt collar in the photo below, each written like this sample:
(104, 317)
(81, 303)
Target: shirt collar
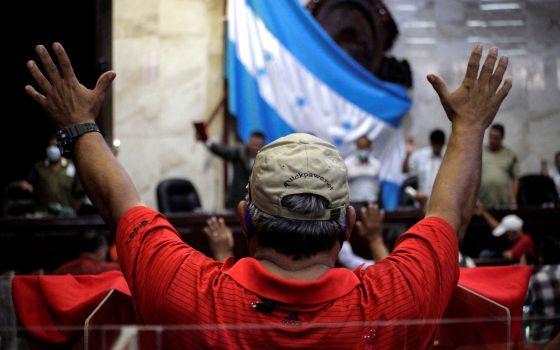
(253, 276)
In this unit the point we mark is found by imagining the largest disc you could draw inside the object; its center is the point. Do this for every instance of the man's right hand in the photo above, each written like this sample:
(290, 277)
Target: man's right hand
(470, 108)
(26, 186)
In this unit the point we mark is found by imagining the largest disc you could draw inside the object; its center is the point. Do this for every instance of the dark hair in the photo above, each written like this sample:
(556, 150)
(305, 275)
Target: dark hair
(549, 250)
(297, 238)
(500, 128)
(365, 138)
(437, 137)
(258, 133)
(92, 240)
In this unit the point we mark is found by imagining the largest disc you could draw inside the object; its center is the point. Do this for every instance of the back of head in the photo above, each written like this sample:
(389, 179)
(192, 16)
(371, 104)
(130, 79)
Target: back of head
(437, 137)
(298, 194)
(499, 128)
(93, 242)
(258, 133)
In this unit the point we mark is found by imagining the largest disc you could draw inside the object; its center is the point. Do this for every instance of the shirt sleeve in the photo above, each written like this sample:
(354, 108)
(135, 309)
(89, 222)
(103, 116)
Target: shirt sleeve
(414, 163)
(523, 246)
(427, 257)
(150, 252)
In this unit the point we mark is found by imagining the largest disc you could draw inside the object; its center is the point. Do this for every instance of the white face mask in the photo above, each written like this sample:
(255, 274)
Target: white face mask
(362, 154)
(53, 153)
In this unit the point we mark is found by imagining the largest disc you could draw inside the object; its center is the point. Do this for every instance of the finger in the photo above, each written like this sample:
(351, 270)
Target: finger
(439, 86)
(213, 223)
(472, 67)
(104, 81)
(50, 68)
(64, 62)
(40, 79)
(39, 98)
(360, 227)
(206, 231)
(489, 63)
(496, 79)
(504, 90)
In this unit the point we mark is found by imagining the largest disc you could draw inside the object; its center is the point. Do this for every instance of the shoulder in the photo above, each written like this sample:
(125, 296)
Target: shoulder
(422, 152)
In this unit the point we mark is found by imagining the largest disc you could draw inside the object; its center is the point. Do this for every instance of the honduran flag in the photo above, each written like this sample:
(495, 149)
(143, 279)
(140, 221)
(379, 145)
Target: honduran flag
(285, 74)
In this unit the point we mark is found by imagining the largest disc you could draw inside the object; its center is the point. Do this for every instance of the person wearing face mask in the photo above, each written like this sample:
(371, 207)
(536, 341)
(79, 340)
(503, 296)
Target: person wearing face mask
(363, 175)
(54, 182)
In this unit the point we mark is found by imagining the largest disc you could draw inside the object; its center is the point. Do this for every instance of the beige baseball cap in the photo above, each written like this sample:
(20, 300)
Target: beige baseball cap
(296, 164)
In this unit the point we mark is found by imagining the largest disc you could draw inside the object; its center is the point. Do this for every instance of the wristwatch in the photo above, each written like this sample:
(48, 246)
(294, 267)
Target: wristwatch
(67, 137)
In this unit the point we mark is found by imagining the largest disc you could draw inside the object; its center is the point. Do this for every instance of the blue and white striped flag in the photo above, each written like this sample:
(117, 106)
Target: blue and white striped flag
(285, 74)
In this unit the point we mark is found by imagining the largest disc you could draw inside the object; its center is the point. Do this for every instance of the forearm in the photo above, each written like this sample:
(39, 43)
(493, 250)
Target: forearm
(223, 151)
(378, 249)
(405, 166)
(106, 183)
(456, 186)
(492, 222)
(514, 190)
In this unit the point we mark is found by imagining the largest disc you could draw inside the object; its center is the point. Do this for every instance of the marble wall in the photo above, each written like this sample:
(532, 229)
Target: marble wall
(168, 55)
(169, 58)
(437, 35)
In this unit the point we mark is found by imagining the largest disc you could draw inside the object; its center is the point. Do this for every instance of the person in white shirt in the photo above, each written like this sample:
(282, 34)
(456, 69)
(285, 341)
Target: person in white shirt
(425, 163)
(363, 174)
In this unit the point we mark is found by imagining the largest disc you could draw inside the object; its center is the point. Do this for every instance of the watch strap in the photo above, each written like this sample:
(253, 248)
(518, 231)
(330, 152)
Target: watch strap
(66, 137)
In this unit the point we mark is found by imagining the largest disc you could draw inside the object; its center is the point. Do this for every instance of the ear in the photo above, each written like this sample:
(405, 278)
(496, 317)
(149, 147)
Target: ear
(351, 219)
(241, 210)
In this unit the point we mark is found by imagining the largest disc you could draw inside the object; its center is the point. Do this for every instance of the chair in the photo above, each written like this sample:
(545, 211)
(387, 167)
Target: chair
(536, 191)
(177, 195)
(16, 202)
(405, 200)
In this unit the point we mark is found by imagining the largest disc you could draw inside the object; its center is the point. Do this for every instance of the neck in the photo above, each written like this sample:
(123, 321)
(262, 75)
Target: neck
(307, 269)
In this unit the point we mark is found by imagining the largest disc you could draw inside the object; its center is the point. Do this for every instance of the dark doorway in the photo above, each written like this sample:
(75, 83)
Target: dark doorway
(84, 28)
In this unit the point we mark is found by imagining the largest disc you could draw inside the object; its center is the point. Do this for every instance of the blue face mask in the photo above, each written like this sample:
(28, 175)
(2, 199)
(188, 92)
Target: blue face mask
(53, 153)
(362, 154)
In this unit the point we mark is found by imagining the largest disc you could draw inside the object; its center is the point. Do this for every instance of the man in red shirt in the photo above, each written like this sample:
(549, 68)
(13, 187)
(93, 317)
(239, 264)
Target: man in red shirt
(288, 293)
(522, 245)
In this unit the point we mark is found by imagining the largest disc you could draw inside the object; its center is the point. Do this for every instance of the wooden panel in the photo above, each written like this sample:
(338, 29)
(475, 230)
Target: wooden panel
(30, 244)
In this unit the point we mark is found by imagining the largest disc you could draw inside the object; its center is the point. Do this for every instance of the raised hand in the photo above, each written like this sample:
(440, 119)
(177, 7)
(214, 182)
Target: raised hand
(478, 98)
(370, 226)
(220, 238)
(60, 93)
(471, 109)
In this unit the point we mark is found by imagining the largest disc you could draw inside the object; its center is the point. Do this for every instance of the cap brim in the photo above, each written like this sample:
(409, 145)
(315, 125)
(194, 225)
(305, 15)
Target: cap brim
(498, 231)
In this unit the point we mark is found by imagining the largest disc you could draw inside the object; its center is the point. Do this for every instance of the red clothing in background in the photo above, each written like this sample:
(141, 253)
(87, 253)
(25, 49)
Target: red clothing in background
(523, 246)
(86, 265)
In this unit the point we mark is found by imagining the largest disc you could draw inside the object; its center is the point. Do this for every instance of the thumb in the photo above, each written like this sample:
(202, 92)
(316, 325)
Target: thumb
(439, 85)
(105, 80)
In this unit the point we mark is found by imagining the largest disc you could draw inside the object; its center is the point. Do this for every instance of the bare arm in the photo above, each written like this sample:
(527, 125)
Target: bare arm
(69, 103)
(544, 168)
(471, 108)
(410, 147)
(490, 219)
(514, 190)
